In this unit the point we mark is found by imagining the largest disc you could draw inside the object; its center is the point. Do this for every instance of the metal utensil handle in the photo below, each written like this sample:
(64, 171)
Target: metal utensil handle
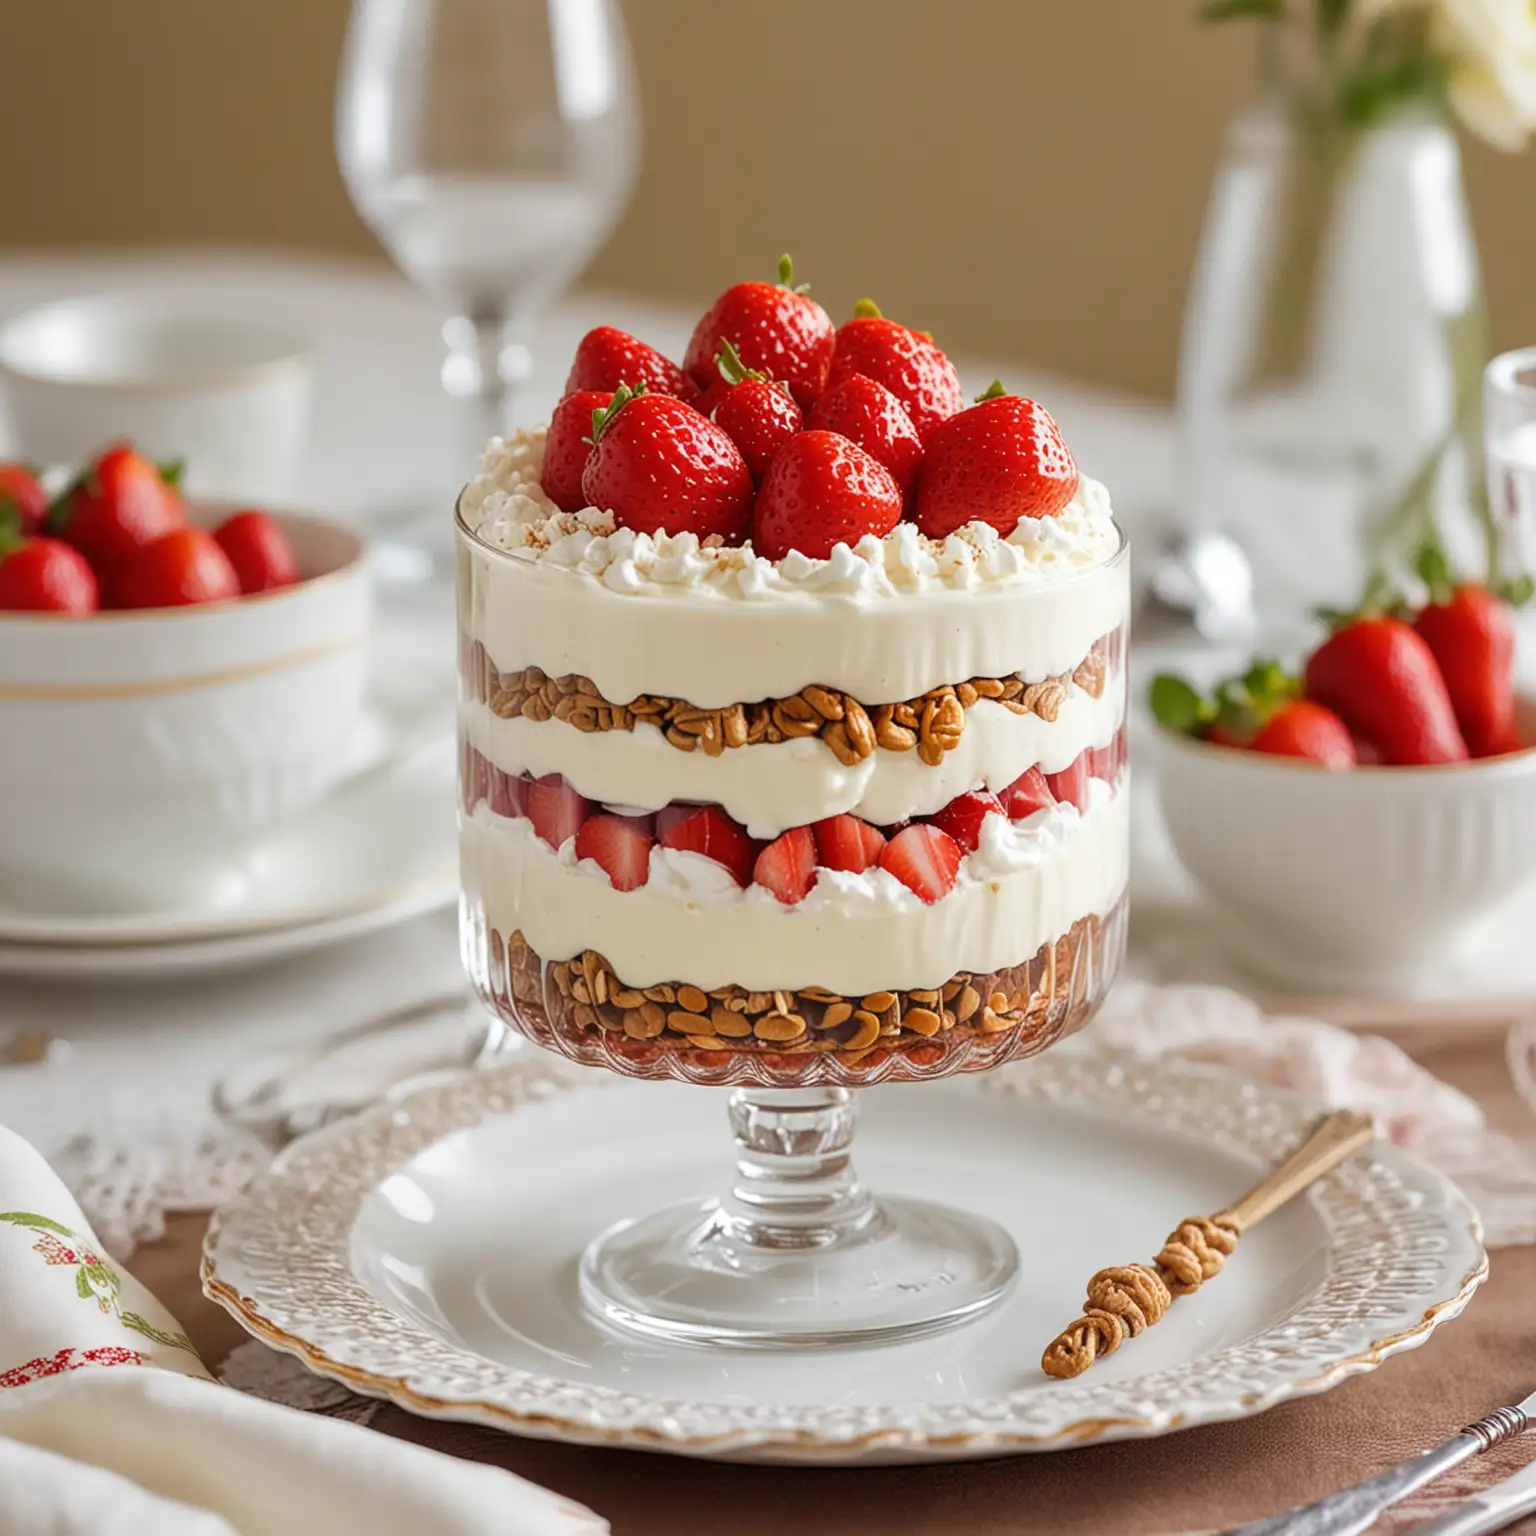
(1356, 1509)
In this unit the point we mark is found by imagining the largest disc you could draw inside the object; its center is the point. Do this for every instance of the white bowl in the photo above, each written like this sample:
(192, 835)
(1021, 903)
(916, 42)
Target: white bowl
(229, 396)
(142, 753)
(1364, 879)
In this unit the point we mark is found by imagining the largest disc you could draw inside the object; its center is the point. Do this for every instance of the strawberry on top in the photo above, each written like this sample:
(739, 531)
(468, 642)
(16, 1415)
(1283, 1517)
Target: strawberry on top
(757, 414)
(820, 491)
(776, 328)
(907, 362)
(607, 357)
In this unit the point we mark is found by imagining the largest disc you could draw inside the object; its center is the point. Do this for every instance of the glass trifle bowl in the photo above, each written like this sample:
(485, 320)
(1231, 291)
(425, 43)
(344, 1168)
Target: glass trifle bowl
(790, 829)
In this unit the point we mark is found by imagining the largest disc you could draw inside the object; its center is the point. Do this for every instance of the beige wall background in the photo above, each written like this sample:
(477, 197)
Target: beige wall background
(1022, 177)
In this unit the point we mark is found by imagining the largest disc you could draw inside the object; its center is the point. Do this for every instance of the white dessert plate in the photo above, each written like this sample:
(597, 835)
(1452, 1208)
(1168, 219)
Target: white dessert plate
(425, 1252)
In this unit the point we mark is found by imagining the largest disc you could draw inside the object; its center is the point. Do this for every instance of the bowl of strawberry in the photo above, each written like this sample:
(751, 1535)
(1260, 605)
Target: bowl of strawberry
(1357, 820)
(174, 677)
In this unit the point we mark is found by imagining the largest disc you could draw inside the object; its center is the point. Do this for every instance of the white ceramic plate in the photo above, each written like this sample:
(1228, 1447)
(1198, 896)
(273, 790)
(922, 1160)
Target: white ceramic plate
(425, 1252)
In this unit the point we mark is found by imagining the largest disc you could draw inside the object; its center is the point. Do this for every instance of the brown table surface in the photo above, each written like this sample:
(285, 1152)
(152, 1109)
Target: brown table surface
(1204, 1480)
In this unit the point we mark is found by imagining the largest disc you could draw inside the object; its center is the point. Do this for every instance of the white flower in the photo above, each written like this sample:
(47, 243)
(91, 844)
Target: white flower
(1492, 48)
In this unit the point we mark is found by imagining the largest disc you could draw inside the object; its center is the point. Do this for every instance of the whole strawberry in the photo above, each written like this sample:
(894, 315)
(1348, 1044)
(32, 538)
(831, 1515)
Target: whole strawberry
(1305, 728)
(998, 462)
(905, 361)
(120, 504)
(259, 550)
(1471, 633)
(1382, 681)
(868, 414)
(821, 491)
(776, 327)
(182, 567)
(607, 357)
(46, 576)
(660, 467)
(568, 446)
(22, 492)
(758, 415)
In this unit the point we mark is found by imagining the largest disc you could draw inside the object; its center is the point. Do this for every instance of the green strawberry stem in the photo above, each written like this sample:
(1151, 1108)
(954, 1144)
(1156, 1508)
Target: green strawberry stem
(603, 418)
(867, 309)
(10, 527)
(172, 472)
(993, 391)
(732, 369)
(1240, 705)
(787, 275)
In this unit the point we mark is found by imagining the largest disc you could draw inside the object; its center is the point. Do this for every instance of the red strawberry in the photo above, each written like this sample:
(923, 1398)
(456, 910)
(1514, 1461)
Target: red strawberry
(660, 467)
(568, 446)
(1472, 635)
(555, 809)
(707, 830)
(1307, 729)
(1027, 794)
(508, 793)
(47, 576)
(621, 845)
(259, 551)
(820, 491)
(1071, 784)
(998, 462)
(182, 567)
(924, 859)
(475, 775)
(868, 414)
(1381, 679)
(758, 415)
(606, 358)
(787, 866)
(776, 327)
(963, 816)
(21, 491)
(845, 842)
(906, 362)
(121, 503)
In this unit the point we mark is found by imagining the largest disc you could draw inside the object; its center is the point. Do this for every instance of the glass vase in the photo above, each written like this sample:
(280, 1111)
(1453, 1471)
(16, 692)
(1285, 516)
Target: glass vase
(1331, 354)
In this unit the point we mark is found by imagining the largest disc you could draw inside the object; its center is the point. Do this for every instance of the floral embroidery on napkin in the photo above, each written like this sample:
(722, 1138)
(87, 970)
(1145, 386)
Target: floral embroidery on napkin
(70, 1359)
(95, 1280)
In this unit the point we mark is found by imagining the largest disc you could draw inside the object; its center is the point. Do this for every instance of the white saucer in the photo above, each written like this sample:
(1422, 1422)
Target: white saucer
(425, 1251)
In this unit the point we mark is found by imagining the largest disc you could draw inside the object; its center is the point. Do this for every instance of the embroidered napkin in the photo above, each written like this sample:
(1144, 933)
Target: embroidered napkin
(95, 1439)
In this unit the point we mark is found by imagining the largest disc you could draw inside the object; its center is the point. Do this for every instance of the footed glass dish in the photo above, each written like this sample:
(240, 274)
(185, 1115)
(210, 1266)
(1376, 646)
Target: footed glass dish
(754, 844)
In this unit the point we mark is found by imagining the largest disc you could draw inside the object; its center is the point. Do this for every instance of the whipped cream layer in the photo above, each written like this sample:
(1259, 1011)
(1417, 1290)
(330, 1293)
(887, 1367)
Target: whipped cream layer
(885, 620)
(771, 787)
(1026, 884)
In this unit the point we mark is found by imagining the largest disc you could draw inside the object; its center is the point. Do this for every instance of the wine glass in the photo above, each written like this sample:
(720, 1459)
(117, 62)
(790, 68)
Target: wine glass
(490, 145)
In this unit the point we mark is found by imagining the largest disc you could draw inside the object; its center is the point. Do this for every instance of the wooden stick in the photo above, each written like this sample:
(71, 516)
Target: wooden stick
(1131, 1297)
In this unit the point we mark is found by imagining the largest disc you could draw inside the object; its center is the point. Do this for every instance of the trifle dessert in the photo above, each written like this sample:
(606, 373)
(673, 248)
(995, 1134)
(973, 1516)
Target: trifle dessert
(793, 717)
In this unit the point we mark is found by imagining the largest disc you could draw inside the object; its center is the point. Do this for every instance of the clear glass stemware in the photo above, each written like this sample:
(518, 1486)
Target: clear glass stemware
(490, 145)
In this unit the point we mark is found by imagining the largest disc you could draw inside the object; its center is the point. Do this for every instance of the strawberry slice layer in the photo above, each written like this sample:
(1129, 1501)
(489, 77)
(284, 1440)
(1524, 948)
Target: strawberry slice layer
(847, 843)
(963, 816)
(1071, 784)
(925, 860)
(707, 830)
(621, 847)
(555, 809)
(1027, 794)
(787, 866)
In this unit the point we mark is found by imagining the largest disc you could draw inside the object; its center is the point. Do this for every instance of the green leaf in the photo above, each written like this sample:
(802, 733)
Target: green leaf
(137, 1324)
(732, 369)
(1176, 705)
(83, 1285)
(1517, 591)
(603, 418)
(37, 1223)
(994, 391)
(1234, 10)
(1434, 570)
(172, 472)
(1267, 685)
